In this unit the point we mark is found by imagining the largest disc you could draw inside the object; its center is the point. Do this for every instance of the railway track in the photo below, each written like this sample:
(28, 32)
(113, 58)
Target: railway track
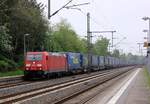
(87, 95)
(14, 81)
(22, 97)
(12, 84)
(11, 81)
(35, 92)
(114, 75)
(18, 87)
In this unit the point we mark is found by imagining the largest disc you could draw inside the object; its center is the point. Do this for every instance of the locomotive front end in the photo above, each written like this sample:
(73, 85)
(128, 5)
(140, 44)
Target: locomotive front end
(35, 64)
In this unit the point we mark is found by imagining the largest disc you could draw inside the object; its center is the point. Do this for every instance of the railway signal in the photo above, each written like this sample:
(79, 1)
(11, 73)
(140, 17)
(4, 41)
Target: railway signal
(145, 44)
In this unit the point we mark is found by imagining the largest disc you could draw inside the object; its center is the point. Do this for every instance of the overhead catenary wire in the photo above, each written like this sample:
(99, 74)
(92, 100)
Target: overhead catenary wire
(60, 9)
(70, 7)
(93, 19)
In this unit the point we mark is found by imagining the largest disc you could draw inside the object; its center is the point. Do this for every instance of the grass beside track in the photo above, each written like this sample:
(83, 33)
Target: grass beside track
(11, 73)
(147, 76)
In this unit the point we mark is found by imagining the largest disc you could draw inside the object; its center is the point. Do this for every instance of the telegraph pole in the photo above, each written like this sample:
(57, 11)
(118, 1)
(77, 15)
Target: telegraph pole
(49, 17)
(49, 9)
(139, 47)
(112, 38)
(88, 40)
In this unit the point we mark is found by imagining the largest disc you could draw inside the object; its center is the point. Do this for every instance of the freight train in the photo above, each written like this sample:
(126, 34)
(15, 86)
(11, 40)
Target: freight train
(46, 64)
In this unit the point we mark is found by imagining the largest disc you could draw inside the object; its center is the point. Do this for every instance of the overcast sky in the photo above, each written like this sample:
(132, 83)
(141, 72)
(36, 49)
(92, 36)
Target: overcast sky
(124, 16)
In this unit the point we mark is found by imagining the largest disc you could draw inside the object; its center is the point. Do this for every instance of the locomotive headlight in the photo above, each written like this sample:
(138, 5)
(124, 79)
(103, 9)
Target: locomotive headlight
(28, 65)
(39, 65)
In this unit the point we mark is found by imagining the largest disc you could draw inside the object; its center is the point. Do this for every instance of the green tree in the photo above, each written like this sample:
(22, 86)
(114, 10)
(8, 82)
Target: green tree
(5, 40)
(116, 53)
(64, 38)
(101, 47)
(22, 17)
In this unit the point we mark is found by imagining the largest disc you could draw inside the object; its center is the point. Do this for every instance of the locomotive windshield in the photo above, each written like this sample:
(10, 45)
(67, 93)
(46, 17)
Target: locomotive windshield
(34, 57)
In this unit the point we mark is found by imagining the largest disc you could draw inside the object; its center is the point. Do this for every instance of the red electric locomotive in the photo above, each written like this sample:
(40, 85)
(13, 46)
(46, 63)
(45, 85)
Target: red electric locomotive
(39, 64)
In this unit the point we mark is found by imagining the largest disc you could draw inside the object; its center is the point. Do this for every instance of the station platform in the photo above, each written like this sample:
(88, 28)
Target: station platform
(132, 89)
(137, 92)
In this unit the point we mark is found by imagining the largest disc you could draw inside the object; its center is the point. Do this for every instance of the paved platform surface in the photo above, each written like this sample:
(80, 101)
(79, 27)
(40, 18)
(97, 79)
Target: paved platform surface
(135, 92)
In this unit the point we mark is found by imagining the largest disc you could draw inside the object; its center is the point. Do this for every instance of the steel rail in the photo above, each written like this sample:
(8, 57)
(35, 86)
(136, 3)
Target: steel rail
(36, 92)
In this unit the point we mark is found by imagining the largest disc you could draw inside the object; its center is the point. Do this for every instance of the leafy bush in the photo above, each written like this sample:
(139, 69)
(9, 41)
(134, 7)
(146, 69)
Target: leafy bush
(7, 64)
(11, 73)
(4, 66)
(11, 63)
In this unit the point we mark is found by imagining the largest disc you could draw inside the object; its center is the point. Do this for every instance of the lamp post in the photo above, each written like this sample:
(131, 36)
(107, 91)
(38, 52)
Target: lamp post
(25, 44)
(145, 19)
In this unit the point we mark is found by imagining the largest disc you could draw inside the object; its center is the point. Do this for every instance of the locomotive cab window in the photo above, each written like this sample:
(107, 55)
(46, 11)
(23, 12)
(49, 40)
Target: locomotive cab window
(37, 57)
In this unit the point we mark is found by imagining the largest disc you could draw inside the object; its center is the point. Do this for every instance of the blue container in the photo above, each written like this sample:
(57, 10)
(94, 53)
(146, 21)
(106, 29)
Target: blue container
(95, 61)
(84, 61)
(74, 61)
(109, 61)
(113, 61)
(101, 61)
(106, 61)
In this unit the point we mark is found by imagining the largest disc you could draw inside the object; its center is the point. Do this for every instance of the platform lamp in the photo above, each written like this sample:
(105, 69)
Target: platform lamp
(148, 48)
